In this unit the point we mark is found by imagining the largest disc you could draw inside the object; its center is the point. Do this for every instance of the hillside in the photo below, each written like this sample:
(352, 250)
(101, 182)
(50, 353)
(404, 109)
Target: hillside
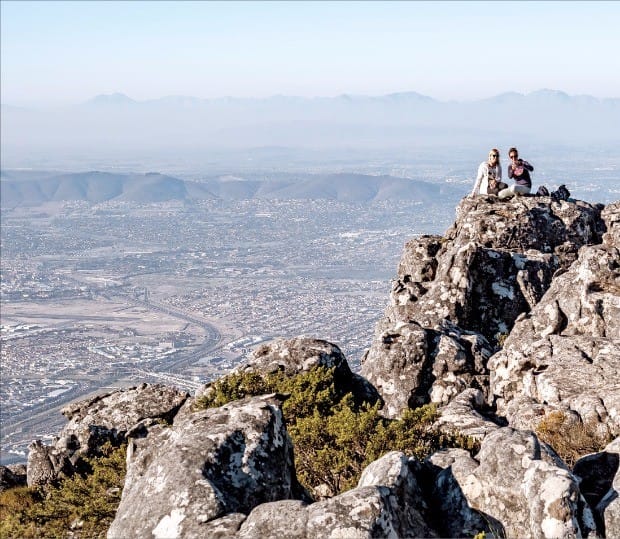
(488, 402)
(26, 189)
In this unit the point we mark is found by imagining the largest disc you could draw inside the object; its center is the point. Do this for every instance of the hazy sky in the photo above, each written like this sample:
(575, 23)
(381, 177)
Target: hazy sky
(72, 51)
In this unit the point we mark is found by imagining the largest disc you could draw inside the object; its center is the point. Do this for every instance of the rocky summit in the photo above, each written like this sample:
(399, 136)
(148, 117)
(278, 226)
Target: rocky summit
(509, 325)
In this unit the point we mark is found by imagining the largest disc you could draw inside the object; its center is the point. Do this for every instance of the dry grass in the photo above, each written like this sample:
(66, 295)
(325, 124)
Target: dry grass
(570, 438)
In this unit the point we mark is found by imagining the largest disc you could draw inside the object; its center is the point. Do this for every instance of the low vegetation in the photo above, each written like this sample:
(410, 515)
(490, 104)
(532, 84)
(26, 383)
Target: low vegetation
(82, 506)
(570, 438)
(334, 436)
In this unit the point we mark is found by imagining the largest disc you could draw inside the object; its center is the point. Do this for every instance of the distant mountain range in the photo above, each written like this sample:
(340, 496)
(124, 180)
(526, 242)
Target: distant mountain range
(108, 124)
(29, 188)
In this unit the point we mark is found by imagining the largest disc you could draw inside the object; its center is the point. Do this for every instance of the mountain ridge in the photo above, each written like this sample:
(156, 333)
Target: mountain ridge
(116, 123)
(96, 187)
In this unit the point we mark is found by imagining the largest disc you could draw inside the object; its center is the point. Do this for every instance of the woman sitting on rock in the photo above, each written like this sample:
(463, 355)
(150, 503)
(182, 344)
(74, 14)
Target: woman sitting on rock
(519, 170)
(488, 181)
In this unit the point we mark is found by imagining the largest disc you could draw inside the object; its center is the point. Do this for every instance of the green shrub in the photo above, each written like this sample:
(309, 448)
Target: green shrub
(335, 438)
(82, 505)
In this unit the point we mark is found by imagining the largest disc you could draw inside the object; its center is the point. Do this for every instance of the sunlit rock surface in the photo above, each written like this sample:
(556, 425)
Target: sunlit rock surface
(206, 465)
(454, 292)
(107, 418)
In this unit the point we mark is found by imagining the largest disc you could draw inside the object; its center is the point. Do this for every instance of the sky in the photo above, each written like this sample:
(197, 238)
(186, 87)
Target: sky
(68, 52)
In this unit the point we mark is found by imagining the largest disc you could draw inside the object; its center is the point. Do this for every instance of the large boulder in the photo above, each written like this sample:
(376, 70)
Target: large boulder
(111, 416)
(93, 422)
(207, 465)
(453, 514)
(411, 365)
(388, 502)
(302, 354)
(46, 464)
(526, 223)
(516, 485)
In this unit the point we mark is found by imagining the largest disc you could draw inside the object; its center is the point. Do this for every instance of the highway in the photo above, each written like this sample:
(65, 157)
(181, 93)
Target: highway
(46, 418)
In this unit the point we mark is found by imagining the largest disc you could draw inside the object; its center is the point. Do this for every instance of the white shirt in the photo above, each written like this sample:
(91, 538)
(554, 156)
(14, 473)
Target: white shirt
(482, 180)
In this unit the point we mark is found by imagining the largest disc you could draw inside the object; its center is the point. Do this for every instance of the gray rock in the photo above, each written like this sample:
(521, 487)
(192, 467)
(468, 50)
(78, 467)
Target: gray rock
(297, 355)
(275, 520)
(493, 265)
(301, 354)
(565, 354)
(207, 465)
(526, 223)
(222, 528)
(388, 502)
(12, 476)
(477, 288)
(107, 418)
(411, 365)
(468, 415)
(46, 465)
(365, 512)
(611, 218)
(453, 515)
(599, 481)
(111, 416)
(518, 484)
(402, 475)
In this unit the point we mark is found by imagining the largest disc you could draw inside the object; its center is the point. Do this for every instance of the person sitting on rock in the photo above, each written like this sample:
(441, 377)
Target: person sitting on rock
(488, 181)
(519, 170)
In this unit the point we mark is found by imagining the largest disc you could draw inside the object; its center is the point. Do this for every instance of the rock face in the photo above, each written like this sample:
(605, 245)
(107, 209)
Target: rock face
(456, 296)
(572, 336)
(206, 465)
(519, 484)
(111, 417)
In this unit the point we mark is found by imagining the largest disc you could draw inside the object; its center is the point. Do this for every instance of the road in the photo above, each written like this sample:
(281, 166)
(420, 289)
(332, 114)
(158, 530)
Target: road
(45, 419)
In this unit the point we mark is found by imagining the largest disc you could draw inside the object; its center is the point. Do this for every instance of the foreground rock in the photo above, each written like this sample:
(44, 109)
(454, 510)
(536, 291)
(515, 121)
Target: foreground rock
(206, 465)
(106, 418)
(388, 502)
(516, 485)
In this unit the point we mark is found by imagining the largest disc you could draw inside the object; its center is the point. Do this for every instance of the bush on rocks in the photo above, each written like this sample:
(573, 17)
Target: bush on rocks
(80, 506)
(334, 436)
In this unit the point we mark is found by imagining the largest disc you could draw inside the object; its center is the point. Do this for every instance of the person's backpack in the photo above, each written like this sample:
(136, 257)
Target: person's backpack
(561, 193)
(542, 191)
